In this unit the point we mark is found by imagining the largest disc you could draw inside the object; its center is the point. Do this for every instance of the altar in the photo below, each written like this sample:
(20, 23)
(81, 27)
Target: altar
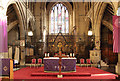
(52, 64)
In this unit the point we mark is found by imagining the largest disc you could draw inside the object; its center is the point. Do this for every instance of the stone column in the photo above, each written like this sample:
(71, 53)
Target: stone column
(97, 42)
(22, 51)
(3, 36)
(37, 20)
(118, 65)
(97, 35)
(37, 23)
(22, 61)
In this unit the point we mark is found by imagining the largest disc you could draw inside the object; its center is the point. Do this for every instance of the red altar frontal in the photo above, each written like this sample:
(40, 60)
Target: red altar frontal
(52, 64)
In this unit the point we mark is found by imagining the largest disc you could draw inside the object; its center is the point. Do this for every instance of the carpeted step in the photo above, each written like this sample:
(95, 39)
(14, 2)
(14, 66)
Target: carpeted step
(64, 74)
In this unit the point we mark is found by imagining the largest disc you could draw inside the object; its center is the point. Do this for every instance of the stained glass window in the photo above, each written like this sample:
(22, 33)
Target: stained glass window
(59, 19)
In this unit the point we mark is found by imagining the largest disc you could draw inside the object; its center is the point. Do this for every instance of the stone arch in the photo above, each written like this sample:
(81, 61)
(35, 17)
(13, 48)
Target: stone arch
(99, 12)
(20, 17)
(107, 24)
(67, 4)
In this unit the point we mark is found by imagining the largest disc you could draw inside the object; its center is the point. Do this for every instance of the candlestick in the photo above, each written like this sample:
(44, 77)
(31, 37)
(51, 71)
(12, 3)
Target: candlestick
(48, 54)
(45, 55)
(70, 54)
(73, 54)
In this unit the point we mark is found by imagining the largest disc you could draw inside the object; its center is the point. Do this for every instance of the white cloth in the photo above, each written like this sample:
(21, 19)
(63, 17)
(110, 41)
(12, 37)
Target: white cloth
(16, 54)
(10, 52)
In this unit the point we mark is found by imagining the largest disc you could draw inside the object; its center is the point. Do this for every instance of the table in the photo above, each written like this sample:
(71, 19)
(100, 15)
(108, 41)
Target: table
(52, 64)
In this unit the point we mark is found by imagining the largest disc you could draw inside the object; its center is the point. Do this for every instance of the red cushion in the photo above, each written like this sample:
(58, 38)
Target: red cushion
(33, 61)
(82, 61)
(39, 61)
(88, 61)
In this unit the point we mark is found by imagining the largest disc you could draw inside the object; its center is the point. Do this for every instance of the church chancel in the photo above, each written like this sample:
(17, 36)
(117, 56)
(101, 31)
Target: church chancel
(60, 62)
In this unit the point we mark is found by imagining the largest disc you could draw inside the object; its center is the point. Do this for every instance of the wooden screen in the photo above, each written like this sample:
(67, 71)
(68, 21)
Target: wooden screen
(107, 46)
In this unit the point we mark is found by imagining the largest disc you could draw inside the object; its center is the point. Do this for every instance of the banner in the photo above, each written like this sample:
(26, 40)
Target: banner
(3, 34)
(116, 34)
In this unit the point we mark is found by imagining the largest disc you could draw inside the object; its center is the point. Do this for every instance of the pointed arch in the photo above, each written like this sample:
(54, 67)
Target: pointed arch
(59, 19)
(21, 17)
(68, 6)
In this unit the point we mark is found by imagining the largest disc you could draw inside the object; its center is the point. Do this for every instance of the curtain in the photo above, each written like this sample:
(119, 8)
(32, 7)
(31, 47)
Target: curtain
(116, 34)
(3, 34)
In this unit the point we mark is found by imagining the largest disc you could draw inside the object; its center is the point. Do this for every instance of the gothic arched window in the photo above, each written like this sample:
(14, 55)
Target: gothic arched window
(59, 19)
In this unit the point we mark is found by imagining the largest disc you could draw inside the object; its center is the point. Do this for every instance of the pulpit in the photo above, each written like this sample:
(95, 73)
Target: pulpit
(95, 56)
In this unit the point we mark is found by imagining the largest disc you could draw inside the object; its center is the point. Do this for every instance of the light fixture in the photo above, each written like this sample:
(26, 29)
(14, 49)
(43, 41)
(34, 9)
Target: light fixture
(89, 32)
(30, 33)
(40, 40)
(118, 12)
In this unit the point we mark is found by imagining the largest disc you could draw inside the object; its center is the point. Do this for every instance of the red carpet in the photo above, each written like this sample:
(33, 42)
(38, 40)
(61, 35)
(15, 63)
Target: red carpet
(91, 72)
(64, 74)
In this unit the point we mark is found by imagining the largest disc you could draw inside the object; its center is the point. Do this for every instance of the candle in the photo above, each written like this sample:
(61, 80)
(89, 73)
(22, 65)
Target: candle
(73, 54)
(48, 54)
(67, 55)
(45, 54)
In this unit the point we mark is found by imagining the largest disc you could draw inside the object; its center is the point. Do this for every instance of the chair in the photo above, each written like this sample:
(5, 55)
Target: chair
(63, 54)
(56, 55)
(33, 62)
(88, 62)
(82, 62)
(39, 62)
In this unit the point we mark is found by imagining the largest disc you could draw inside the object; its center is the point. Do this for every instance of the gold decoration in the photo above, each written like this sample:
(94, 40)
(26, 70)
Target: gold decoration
(60, 44)
(66, 45)
(5, 68)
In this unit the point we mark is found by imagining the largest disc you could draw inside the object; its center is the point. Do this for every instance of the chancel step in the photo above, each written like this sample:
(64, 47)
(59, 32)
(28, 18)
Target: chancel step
(64, 74)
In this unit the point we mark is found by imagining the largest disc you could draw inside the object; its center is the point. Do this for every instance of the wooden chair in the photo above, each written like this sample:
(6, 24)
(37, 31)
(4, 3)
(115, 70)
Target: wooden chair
(33, 62)
(56, 55)
(82, 62)
(39, 62)
(88, 62)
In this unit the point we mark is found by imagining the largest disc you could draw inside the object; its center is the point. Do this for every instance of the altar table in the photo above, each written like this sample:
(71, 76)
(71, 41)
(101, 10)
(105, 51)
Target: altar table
(52, 64)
